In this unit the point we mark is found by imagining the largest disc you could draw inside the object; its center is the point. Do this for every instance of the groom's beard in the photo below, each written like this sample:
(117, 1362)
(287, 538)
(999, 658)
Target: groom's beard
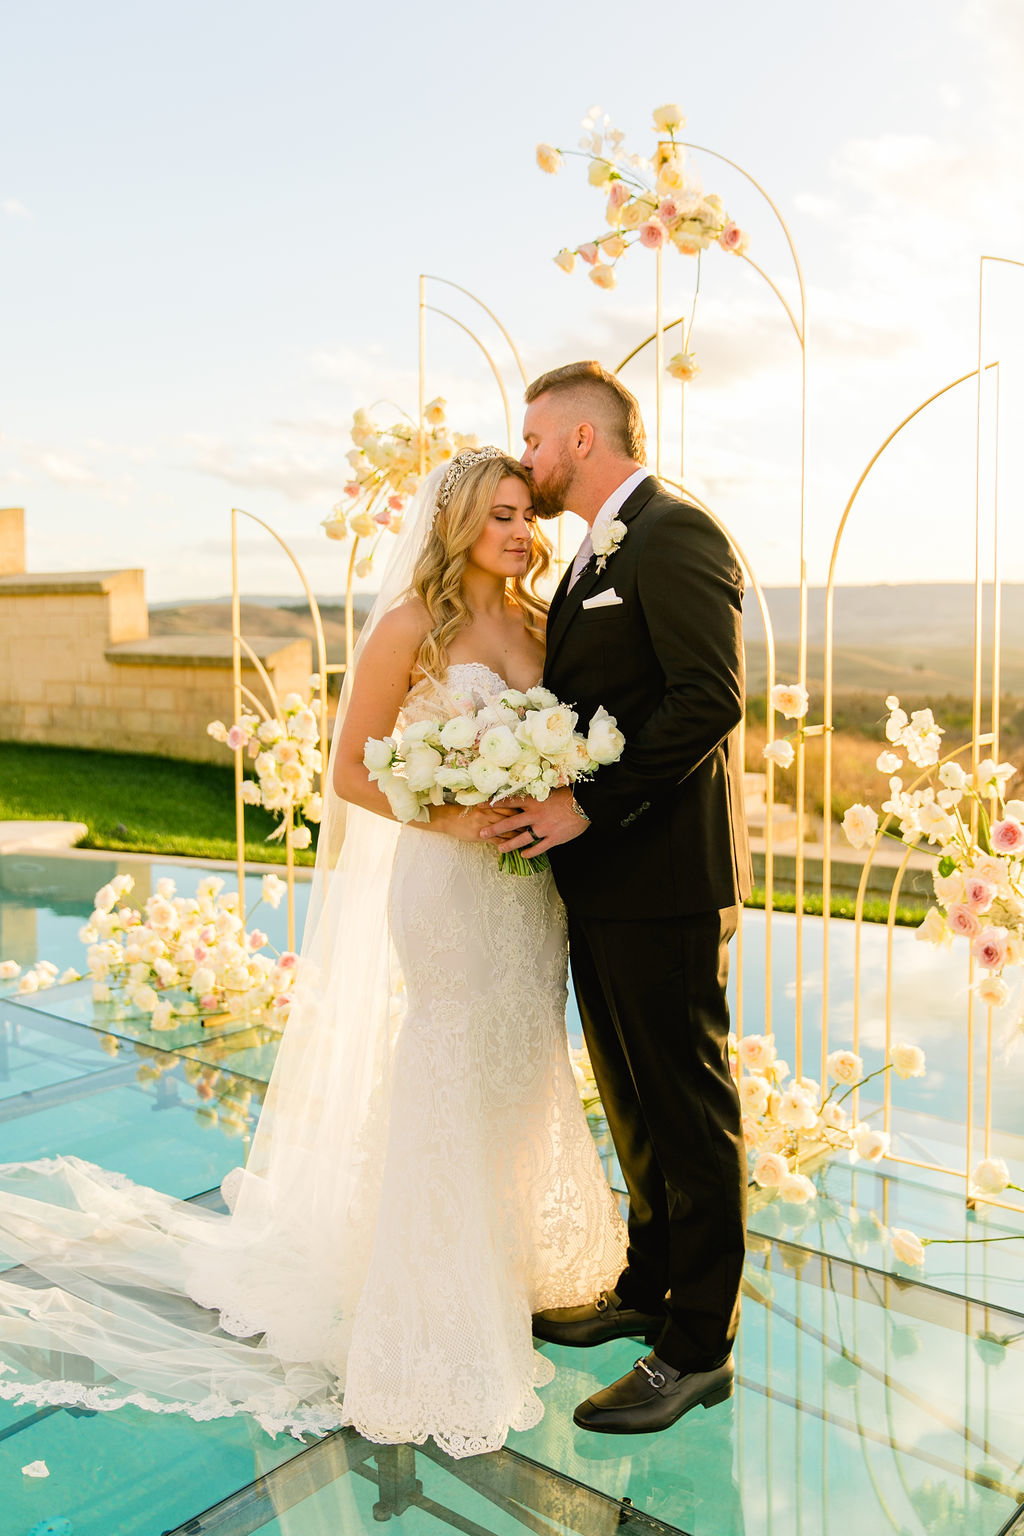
(552, 498)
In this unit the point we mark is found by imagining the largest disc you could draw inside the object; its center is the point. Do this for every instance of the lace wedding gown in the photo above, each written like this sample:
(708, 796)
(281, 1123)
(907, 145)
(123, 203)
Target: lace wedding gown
(391, 1290)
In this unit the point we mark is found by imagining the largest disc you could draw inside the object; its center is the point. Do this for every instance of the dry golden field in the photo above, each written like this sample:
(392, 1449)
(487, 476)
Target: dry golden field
(857, 740)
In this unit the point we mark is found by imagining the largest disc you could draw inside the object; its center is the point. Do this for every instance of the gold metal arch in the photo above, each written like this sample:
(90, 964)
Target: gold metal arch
(800, 332)
(769, 854)
(238, 644)
(432, 278)
(432, 309)
(826, 860)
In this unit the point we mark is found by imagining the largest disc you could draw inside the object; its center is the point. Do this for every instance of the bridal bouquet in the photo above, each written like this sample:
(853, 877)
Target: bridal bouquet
(523, 744)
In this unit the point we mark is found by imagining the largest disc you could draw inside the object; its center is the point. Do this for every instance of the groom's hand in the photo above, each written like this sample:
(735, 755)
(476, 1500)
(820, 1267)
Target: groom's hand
(537, 825)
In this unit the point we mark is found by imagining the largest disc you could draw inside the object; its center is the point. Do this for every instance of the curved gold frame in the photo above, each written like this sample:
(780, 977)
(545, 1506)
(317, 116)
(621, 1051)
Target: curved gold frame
(239, 690)
(800, 331)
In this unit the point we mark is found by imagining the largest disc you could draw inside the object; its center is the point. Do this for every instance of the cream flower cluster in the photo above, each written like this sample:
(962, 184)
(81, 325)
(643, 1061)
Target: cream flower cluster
(654, 202)
(385, 472)
(178, 956)
(786, 1119)
(979, 877)
(520, 744)
(286, 757)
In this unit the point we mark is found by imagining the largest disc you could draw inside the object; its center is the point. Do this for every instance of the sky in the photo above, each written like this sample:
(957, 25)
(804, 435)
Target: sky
(213, 216)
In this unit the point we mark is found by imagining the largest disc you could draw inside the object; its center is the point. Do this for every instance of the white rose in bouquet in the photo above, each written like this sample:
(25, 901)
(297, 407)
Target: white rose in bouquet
(487, 777)
(499, 746)
(421, 765)
(458, 733)
(378, 756)
(604, 740)
(403, 802)
(449, 777)
(540, 698)
(551, 728)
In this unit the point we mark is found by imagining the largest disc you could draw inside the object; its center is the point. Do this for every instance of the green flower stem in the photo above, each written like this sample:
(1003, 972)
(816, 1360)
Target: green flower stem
(968, 1242)
(877, 1073)
(514, 864)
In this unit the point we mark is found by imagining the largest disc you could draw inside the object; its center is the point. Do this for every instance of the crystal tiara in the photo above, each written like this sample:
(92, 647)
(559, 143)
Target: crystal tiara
(458, 466)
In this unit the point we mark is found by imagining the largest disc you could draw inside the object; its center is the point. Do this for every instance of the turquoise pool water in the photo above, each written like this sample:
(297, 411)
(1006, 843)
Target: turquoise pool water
(868, 1401)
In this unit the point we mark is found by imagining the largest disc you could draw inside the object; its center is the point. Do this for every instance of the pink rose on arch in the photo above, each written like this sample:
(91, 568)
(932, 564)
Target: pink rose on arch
(618, 195)
(963, 920)
(979, 893)
(588, 253)
(236, 738)
(257, 939)
(396, 503)
(353, 488)
(288, 960)
(652, 234)
(200, 953)
(383, 517)
(1008, 836)
(208, 1002)
(668, 210)
(989, 948)
(733, 239)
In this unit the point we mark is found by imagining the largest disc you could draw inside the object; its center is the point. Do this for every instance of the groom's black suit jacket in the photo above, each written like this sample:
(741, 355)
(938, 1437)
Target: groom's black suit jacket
(668, 836)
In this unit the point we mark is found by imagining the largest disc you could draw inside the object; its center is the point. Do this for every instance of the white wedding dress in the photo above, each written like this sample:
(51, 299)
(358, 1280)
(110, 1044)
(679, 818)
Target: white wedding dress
(387, 1245)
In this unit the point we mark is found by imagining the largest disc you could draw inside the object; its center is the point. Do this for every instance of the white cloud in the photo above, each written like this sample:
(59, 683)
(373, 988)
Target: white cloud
(14, 209)
(300, 477)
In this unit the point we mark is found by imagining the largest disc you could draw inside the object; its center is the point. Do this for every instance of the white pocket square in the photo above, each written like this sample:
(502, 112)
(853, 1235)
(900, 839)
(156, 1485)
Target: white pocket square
(606, 599)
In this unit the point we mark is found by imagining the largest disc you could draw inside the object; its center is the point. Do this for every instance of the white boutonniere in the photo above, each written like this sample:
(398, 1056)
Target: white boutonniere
(606, 540)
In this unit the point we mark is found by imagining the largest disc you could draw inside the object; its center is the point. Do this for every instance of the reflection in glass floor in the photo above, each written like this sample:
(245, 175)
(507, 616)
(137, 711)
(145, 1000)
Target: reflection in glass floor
(867, 1401)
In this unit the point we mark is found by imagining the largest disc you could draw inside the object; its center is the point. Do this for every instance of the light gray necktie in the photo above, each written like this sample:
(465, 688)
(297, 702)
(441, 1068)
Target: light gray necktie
(583, 554)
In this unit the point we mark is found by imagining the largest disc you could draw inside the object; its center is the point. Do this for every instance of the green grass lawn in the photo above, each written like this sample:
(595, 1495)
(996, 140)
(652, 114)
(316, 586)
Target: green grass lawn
(162, 805)
(141, 804)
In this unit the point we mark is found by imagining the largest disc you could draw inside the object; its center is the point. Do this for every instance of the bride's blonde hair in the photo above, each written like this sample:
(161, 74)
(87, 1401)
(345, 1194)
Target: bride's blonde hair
(437, 579)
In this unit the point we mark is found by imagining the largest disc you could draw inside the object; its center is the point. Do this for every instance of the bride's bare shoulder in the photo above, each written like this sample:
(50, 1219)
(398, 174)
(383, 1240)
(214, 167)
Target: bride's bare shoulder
(407, 625)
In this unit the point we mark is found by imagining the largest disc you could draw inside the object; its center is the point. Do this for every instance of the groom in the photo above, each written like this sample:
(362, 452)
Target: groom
(651, 860)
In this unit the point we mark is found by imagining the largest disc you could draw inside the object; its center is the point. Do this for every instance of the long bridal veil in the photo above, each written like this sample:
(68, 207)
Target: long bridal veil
(120, 1294)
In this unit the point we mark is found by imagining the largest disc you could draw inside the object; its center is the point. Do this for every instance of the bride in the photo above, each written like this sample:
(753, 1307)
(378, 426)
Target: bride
(422, 1177)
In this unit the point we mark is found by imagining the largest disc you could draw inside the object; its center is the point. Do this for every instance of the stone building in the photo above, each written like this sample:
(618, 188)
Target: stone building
(79, 668)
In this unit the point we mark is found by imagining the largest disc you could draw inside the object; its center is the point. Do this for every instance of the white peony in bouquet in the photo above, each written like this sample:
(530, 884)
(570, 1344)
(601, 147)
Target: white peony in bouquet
(523, 744)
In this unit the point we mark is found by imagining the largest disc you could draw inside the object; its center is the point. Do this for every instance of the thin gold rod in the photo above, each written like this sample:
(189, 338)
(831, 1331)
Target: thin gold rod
(826, 862)
(769, 644)
(236, 696)
(976, 701)
(659, 357)
(493, 365)
(264, 676)
(890, 932)
(423, 374)
(703, 150)
(778, 294)
(683, 340)
(647, 341)
(321, 665)
(512, 346)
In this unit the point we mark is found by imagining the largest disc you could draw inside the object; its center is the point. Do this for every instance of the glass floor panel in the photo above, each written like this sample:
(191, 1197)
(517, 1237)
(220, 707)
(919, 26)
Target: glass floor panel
(37, 1051)
(172, 1124)
(866, 1402)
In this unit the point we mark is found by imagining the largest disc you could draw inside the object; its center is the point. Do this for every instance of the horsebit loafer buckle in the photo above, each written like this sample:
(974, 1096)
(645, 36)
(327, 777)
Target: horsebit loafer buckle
(602, 1303)
(656, 1378)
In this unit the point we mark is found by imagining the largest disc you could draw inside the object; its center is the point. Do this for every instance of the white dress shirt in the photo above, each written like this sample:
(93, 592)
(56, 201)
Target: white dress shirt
(615, 501)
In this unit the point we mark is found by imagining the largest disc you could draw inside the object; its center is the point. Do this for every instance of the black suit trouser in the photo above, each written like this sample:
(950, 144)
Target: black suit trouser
(651, 995)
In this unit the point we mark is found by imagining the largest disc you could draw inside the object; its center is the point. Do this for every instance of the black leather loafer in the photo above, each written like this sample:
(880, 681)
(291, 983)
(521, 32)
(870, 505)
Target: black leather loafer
(596, 1322)
(652, 1397)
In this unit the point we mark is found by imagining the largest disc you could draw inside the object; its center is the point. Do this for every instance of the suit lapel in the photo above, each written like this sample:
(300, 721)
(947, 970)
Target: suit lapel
(566, 604)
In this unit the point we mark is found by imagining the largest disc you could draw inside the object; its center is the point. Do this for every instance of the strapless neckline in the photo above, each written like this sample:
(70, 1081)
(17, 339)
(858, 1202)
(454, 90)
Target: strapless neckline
(476, 670)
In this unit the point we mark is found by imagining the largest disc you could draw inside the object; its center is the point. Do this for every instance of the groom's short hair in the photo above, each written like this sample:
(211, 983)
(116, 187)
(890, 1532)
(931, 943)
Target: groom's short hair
(600, 391)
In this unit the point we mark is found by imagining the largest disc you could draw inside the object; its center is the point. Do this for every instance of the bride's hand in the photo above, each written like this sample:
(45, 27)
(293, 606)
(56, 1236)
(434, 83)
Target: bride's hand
(466, 822)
